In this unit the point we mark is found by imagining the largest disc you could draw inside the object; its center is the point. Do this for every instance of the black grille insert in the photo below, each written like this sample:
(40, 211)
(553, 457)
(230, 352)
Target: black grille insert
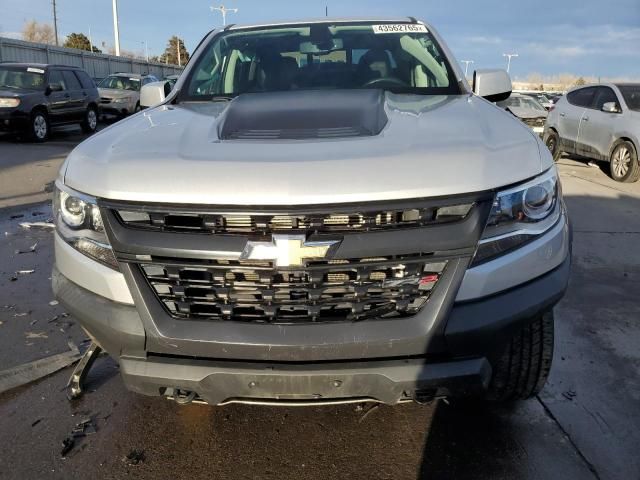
(321, 291)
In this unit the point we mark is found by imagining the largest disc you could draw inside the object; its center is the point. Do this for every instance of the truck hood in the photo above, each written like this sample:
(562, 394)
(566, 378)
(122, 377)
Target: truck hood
(428, 146)
(115, 93)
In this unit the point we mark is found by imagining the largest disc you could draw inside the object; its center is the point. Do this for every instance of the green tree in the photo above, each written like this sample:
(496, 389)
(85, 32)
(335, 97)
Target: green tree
(81, 42)
(581, 81)
(170, 54)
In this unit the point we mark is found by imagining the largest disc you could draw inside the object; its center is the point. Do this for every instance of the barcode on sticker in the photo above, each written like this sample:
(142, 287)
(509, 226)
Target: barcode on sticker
(400, 28)
(35, 70)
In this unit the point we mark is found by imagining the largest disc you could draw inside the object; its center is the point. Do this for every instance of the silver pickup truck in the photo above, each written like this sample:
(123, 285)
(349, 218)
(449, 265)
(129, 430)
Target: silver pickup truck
(318, 212)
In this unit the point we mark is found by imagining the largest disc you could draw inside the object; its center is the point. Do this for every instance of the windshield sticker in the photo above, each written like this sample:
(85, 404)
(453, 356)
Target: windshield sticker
(134, 79)
(35, 70)
(400, 28)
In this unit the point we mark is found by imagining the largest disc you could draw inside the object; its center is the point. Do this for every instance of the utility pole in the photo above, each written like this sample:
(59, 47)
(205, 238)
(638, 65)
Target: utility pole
(326, 10)
(224, 10)
(509, 56)
(116, 32)
(90, 41)
(55, 21)
(178, 47)
(146, 50)
(466, 66)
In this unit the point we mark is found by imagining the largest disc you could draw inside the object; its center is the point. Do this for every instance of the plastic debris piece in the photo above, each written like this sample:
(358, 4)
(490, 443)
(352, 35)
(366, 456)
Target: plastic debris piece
(135, 457)
(30, 335)
(53, 303)
(67, 445)
(31, 249)
(38, 225)
(29, 372)
(25, 272)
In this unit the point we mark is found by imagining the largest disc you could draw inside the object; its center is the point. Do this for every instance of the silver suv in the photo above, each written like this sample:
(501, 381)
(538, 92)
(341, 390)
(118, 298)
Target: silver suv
(601, 122)
(318, 212)
(120, 93)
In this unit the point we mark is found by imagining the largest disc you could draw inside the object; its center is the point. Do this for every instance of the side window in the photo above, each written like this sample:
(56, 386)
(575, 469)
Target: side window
(605, 95)
(85, 79)
(582, 98)
(70, 80)
(55, 77)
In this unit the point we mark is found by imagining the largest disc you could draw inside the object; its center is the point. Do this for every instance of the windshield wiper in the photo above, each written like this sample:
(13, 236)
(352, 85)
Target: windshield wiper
(221, 98)
(8, 86)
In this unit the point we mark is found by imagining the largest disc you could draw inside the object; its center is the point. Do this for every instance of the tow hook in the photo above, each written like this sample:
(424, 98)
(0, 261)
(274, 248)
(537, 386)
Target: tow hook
(182, 397)
(424, 396)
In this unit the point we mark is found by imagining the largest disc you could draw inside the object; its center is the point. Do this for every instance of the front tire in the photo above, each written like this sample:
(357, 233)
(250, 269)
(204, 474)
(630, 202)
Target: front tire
(553, 144)
(39, 126)
(624, 163)
(522, 370)
(90, 122)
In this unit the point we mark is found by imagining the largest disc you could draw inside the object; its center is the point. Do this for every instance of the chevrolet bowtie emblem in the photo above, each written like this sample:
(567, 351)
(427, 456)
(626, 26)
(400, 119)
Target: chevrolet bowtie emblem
(288, 250)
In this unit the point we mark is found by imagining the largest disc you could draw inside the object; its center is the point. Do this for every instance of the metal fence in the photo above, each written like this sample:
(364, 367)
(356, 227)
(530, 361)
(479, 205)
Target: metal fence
(97, 65)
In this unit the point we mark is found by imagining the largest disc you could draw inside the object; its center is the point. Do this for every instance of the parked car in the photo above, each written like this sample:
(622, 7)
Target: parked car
(600, 122)
(526, 109)
(319, 212)
(172, 79)
(541, 98)
(35, 97)
(120, 93)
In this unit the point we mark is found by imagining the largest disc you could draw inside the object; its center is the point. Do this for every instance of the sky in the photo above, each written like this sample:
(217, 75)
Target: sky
(591, 38)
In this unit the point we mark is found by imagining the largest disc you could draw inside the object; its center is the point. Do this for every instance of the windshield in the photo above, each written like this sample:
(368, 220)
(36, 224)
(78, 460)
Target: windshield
(120, 83)
(30, 78)
(402, 58)
(631, 95)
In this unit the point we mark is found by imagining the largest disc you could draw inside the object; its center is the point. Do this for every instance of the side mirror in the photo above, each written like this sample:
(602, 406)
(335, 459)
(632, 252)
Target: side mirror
(53, 87)
(610, 107)
(152, 94)
(492, 84)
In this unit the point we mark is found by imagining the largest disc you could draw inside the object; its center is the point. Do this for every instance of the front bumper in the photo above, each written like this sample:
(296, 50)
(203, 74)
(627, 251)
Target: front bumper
(13, 119)
(475, 332)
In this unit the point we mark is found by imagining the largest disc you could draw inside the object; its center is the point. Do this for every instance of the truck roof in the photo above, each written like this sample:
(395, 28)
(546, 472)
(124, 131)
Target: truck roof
(324, 20)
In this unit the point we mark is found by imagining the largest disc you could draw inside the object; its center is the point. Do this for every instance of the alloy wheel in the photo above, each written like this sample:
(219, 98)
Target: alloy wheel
(92, 119)
(40, 126)
(621, 161)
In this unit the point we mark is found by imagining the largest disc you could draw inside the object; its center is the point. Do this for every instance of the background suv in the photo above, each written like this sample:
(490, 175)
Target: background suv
(527, 109)
(120, 93)
(600, 122)
(33, 97)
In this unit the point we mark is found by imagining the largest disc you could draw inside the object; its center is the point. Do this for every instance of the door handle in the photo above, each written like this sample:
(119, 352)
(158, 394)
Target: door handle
(563, 114)
(66, 95)
(586, 119)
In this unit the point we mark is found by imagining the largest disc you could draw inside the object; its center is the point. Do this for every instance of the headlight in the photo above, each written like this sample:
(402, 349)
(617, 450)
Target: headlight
(79, 223)
(519, 215)
(121, 100)
(9, 102)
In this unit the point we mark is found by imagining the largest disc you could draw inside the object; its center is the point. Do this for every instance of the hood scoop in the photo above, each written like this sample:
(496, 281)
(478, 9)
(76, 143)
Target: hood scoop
(302, 115)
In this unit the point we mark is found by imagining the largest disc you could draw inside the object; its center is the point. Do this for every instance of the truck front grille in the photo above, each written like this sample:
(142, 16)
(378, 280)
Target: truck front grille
(265, 223)
(321, 291)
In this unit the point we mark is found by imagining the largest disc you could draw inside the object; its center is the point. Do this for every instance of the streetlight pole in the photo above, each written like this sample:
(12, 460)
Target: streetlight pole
(178, 47)
(146, 50)
(116, 32)
(509, 56)
(224, 10)
(466, 66)
(55, 21)
(90, 41)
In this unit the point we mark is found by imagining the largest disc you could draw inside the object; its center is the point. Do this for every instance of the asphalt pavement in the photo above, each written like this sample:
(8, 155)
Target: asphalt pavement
(584, 425)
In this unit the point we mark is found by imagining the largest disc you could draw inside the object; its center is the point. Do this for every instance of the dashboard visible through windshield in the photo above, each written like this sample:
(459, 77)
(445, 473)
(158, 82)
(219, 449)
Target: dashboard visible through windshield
(396, 57)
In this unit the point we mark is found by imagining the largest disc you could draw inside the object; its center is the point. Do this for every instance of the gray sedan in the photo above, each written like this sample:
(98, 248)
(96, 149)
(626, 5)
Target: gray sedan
(601, 122)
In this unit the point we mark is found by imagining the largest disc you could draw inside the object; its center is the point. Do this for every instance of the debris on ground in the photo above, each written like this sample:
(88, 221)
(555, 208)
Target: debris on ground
(67, 445)
(83, 428)
(29, 372)
(135, 457)
(31, 249)
(38, 225)
(569, 394)
(13, 279)
(33, 424)
(34, 321)
(14, 217)
(368, 412)
(22, 314)
(53, 303)
(31, 335)
(25, 272)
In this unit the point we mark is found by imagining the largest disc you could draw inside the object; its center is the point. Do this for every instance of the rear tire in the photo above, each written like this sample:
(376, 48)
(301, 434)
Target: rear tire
(553, 144)
(90, 122)
(39, 126)
(624, 163)
(523, 368)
